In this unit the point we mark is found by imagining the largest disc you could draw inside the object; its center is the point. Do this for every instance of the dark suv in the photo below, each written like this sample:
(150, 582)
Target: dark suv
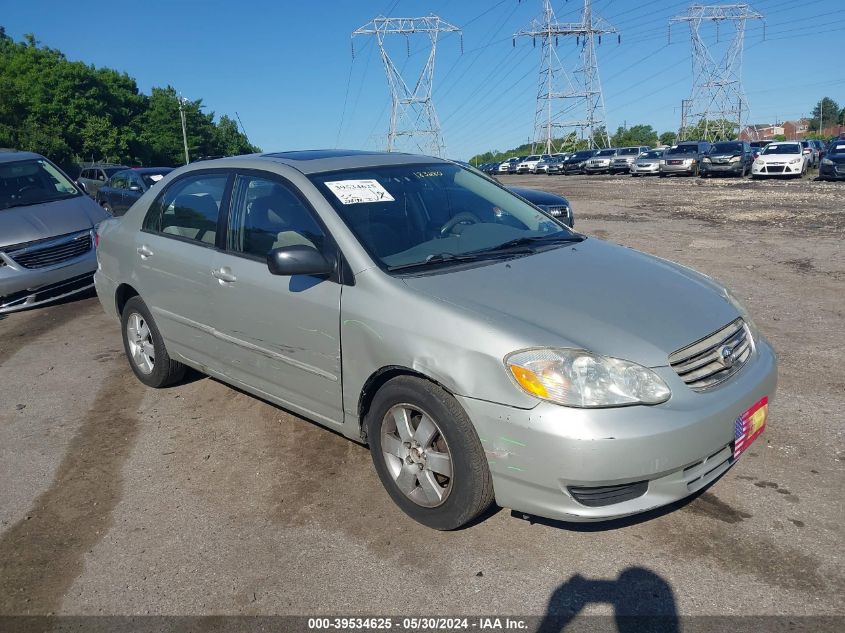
(728, 157)
(126, 186)
(684, 158)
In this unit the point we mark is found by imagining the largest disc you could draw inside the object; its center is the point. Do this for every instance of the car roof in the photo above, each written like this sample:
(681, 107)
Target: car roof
(146, 170)
(14, 155)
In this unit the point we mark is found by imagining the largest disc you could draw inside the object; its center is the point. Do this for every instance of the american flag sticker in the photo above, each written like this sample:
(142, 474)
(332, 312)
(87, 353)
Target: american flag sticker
(749, 425)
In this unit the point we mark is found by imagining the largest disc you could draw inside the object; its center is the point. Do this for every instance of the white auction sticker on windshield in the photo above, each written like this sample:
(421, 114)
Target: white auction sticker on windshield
(156, 177)
(359, 191)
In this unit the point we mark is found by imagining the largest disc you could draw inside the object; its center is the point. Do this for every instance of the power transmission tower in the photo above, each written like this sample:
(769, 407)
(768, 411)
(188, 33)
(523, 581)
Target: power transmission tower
(717, 102)
(412, 114)
(562, 96)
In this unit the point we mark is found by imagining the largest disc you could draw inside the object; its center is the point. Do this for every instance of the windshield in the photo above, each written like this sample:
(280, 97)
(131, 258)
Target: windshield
(152, 177)
(725, 148)
(582, 155)
(655, 153)
(836, 148)
(28, 182)
(411, 215)
(683, 149)
(607, 152)
(629, 151)
(532, 158)
(111, 171)
(782, 148)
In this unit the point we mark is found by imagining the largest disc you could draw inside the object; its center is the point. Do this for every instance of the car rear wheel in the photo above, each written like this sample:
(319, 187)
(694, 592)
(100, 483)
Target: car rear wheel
(145, 348)
(427, 454)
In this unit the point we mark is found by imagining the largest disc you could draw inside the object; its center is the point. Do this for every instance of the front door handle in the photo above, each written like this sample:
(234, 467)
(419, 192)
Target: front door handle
(223, 274)
(144, 251)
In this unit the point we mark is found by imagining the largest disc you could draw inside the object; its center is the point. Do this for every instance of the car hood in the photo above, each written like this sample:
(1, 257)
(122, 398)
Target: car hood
(593, 295)
(48, 219)
(778, 158)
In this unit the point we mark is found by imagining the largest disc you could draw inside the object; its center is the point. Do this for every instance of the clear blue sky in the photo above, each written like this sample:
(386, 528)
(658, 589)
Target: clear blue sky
(284, 66)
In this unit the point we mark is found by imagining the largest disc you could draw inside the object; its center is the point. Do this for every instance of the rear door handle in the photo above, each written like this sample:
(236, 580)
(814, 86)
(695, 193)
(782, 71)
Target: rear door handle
(223, 274)
(144, 252)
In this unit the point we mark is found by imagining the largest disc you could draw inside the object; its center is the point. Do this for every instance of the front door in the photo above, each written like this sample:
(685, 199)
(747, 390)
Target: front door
(278, 335)
(175, 252)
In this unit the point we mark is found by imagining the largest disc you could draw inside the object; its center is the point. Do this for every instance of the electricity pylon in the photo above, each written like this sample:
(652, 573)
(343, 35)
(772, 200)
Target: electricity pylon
(412, 114)
(717, 104)
(561, 95)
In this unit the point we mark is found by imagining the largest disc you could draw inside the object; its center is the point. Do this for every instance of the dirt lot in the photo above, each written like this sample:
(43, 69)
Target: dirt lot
(200, 499)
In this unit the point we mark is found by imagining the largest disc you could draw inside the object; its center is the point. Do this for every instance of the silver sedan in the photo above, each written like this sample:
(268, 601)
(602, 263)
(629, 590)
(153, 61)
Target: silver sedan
(483, 350)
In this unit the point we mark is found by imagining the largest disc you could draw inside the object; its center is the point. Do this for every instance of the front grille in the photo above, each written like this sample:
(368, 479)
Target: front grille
(772, 169)
(557, 210)
(54, 251)
(708, 469)
(715, 358)
(596, 497)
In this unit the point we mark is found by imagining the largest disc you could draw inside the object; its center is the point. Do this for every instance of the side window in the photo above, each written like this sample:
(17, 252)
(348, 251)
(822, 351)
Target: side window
(265, 215)
(189, 208)
(118, 181)
(133, 180)
(86, 173)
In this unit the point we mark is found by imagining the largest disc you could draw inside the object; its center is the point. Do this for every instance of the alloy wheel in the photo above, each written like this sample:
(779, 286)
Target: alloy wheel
(417, 455)
(140, 340)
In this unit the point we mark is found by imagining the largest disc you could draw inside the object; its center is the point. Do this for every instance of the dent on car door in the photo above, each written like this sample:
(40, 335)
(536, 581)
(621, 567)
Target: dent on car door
(278, 335)
(175, 253)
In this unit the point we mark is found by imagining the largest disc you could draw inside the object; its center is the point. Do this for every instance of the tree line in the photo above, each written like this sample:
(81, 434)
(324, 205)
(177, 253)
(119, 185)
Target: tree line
(72, 112)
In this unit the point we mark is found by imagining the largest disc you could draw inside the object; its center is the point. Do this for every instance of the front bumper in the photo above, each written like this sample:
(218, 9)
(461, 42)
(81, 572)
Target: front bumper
(539, 458)
(596, 168)
(620, 167)
(835, 171)
(689, 168)
(783, 169)
(22, 287)
(721, 168)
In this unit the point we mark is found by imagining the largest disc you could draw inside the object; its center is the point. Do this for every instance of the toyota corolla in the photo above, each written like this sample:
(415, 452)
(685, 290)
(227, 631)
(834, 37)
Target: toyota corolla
(484, 351)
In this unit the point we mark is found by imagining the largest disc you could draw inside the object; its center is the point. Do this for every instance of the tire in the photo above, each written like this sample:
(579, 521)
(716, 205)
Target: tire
(139, 334)
(454, 492)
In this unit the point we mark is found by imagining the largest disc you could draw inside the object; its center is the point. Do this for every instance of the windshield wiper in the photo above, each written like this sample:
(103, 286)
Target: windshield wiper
(450, 258)
(539, 239)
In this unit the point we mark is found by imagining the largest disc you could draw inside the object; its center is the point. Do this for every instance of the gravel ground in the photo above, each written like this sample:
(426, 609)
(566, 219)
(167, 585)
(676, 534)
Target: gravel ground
(199, 499)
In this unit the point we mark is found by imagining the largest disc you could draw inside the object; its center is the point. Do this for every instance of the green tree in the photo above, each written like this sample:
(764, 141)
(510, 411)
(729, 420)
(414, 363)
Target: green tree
(668, 138)
(70, 111)
(711, 130)
(634, 135)
(826, 112)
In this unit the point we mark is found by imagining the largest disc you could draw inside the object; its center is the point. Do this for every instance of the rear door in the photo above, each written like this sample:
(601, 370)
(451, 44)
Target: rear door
(175, 256)
(278, 335)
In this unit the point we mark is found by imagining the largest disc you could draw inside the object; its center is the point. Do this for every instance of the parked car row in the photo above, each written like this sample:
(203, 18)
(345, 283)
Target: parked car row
(117, 187)
(689, 158)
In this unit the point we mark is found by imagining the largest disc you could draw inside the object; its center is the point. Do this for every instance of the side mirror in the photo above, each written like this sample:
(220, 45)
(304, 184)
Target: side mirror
(298, 259)
(81, 185)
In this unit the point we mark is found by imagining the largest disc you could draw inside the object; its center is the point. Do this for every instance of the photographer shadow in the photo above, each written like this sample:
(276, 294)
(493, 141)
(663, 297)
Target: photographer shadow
(642, 603)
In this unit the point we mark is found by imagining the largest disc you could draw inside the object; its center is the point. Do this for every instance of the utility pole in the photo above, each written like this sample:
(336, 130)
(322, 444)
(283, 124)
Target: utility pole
(184, 128)
(717, 97)
(412, 114)
(560, 95)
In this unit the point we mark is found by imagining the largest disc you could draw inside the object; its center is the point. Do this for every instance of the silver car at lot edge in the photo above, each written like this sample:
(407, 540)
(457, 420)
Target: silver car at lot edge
(46, 233)
(481, 348)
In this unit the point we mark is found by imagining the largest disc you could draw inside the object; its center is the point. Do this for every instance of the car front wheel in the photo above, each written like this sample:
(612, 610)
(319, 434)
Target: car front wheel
(145, 348)
(427, 454)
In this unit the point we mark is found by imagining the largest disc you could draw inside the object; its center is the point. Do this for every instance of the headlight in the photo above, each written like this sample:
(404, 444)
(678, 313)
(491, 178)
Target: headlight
(577, 378)
(705, 160)
(826, 161)
(662, 162)
(735, 159)
(795, 160)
